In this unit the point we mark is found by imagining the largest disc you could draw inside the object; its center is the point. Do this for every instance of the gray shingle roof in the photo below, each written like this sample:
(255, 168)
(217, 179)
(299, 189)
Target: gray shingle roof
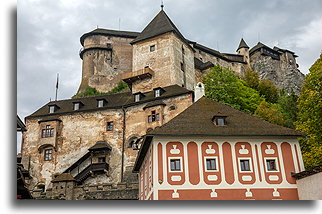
(159, 25)
(114, 101)
(242, 44)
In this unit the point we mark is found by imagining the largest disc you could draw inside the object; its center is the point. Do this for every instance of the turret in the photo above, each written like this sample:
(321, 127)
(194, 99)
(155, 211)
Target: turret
(243, 49)
(106, 55)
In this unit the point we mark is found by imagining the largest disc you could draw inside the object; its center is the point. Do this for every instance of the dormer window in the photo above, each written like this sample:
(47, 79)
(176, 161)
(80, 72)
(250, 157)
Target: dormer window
(77, 105)
(158, 92)
(219, 120)
(101, 103)
(52, 108)
(138, 97)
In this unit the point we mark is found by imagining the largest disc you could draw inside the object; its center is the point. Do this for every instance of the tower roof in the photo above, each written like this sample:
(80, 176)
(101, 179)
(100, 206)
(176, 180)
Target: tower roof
(159, 25)
(242, 44)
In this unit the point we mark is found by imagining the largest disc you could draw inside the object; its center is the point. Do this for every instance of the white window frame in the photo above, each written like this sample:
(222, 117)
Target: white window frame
(137, 97)
(216, 161)
(276, 163)
(175, 158)
(250, 165)
(76, 106)
(100, 103)
(157, 93)
(51, 109)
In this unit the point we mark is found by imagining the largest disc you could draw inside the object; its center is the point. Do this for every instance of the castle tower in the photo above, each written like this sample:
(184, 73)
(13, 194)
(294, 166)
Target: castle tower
(106, 55)
(243, 49)
(161, 57)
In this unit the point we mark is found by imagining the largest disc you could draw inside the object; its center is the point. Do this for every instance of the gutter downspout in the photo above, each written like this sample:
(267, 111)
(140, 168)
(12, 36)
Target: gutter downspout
(123, 142)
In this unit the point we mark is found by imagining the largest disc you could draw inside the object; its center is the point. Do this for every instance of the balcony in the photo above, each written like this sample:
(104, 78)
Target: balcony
(91, 169)
(137, 75)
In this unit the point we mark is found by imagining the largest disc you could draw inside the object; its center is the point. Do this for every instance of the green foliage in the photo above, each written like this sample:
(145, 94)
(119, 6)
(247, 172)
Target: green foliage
(270, 112)
(89, 91)
(288, 108)
(268, 90)
(121, 87)
(265, 88)
(309, 116)
(222, 85)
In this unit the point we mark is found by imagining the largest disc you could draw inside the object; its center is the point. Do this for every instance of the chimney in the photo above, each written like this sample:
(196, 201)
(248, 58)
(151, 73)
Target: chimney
(199, 91)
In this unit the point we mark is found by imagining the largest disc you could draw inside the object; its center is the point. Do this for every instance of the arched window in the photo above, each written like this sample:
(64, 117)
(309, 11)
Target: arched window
(133, 142)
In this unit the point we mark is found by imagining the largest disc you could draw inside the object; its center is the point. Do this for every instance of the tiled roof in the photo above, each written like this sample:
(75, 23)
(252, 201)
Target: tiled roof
(100, 145)
(159, 25)
(197, 121)
(108, 32)
(306, 173)
(114, 101)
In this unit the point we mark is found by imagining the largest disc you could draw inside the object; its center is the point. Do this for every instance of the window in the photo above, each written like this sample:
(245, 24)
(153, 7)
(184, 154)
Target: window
(137, 97)
(133, 144)
(100, 103)
(245, 165)
(110, 126)
(153, 117)
(48, 154)
(76, 106)
(172, 107)
(271, 165)
(219, 121)
(152, 48)
(182, 66)
(175, 165)
(101, 159)
(182, 49)
(51, 109)
(211, 164)
(157, 93)
(47, 132)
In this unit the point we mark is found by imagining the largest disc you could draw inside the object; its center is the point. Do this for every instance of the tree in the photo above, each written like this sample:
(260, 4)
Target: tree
(288, 108)
(270, 112)
(223, 86)
(309, 116)
(265, 88)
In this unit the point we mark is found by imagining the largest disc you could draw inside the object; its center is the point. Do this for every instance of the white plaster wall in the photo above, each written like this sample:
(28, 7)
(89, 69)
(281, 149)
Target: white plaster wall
(309, 188)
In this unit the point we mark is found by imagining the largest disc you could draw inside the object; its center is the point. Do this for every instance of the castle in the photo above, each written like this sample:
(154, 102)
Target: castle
(85, 148)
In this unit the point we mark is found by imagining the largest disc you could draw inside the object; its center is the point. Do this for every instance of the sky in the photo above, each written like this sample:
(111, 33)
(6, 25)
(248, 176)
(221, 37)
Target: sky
(48, 33)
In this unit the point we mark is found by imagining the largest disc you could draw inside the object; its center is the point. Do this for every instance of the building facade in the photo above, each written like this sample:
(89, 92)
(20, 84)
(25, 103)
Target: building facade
(85, 148)
(223, 154)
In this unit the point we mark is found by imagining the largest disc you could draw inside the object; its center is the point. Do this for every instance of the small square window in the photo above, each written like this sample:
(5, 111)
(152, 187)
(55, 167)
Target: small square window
(211, 164)
(219, 121)
(102, 160)
(100, 103)
(175, 165)
(244, 165)
(271, 165)
(110, 126)
(152, 48)
(48, 154)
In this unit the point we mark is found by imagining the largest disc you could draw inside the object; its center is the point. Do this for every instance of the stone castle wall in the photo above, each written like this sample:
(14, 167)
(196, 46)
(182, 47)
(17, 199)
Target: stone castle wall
(105, 60)
(76, 132)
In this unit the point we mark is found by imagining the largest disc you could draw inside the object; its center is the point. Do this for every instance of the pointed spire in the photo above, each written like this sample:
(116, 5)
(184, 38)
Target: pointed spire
(159, 25)
(242, 44)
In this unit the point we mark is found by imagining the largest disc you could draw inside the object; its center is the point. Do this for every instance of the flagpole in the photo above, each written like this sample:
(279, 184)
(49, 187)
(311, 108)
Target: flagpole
(57, 86)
